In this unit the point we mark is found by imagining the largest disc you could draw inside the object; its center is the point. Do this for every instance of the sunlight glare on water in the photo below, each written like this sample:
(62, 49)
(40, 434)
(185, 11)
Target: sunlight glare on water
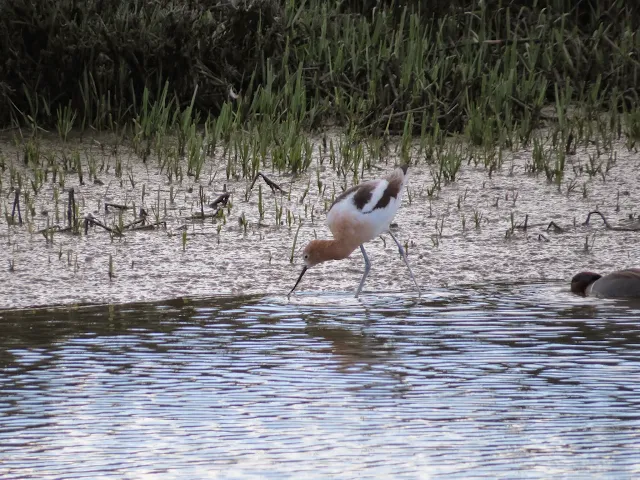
(521, 381)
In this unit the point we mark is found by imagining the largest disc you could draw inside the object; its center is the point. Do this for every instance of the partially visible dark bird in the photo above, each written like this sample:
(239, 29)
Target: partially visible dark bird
(619, 284)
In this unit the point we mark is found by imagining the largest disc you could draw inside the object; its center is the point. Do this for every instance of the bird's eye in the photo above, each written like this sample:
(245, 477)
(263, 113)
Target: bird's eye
(306, 256)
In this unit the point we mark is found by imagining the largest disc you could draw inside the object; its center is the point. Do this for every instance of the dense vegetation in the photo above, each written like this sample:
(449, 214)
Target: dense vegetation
(377, 65)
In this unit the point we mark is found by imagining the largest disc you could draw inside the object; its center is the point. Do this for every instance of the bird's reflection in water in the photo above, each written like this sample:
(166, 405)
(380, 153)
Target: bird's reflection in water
(355, 350)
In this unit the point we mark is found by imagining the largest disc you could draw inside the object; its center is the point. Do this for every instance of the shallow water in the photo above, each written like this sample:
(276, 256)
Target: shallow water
(503, 381)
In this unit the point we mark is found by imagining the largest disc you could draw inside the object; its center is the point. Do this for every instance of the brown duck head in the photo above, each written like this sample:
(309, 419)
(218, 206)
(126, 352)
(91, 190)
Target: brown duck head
(581, 281)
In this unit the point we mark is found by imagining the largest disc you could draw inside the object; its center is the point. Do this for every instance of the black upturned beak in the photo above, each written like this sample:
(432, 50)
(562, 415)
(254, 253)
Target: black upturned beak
(304, 269)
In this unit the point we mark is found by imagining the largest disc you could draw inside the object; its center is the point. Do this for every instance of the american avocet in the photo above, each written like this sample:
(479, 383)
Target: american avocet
(359, 215)
(621, 284)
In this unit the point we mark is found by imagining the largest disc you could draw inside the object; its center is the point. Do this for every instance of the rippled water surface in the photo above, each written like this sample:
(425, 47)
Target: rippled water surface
(521, 381)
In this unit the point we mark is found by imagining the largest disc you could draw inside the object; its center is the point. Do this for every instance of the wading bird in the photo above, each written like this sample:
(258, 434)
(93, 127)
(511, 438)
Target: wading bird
(359, 215)
(619, 284)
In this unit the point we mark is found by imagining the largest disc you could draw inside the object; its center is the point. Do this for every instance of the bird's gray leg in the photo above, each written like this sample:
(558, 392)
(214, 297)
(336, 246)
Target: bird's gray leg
(404, 257)
(367, 267)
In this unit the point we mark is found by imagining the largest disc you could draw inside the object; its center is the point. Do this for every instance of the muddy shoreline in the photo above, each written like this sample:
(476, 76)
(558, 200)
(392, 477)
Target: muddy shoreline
(471, 231)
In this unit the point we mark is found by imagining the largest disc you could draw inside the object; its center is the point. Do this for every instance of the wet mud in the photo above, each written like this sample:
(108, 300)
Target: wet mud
(470, 232)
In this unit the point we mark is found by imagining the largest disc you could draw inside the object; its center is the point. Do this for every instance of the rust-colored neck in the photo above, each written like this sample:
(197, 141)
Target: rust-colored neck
(324, 250)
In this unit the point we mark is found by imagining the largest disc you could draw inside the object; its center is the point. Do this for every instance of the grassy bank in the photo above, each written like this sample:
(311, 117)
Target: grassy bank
(161, 115)
(316, 62)
(250, 77)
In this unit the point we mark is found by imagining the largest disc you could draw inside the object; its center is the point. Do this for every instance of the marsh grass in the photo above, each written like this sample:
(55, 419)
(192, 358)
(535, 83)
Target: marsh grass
(444, 90)
(472, 68)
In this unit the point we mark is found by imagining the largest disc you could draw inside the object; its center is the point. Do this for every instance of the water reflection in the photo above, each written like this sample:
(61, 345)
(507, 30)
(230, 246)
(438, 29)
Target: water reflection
(499, 381)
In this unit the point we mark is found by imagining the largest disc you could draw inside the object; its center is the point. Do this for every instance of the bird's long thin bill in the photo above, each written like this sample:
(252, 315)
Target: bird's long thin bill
(304, 269)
